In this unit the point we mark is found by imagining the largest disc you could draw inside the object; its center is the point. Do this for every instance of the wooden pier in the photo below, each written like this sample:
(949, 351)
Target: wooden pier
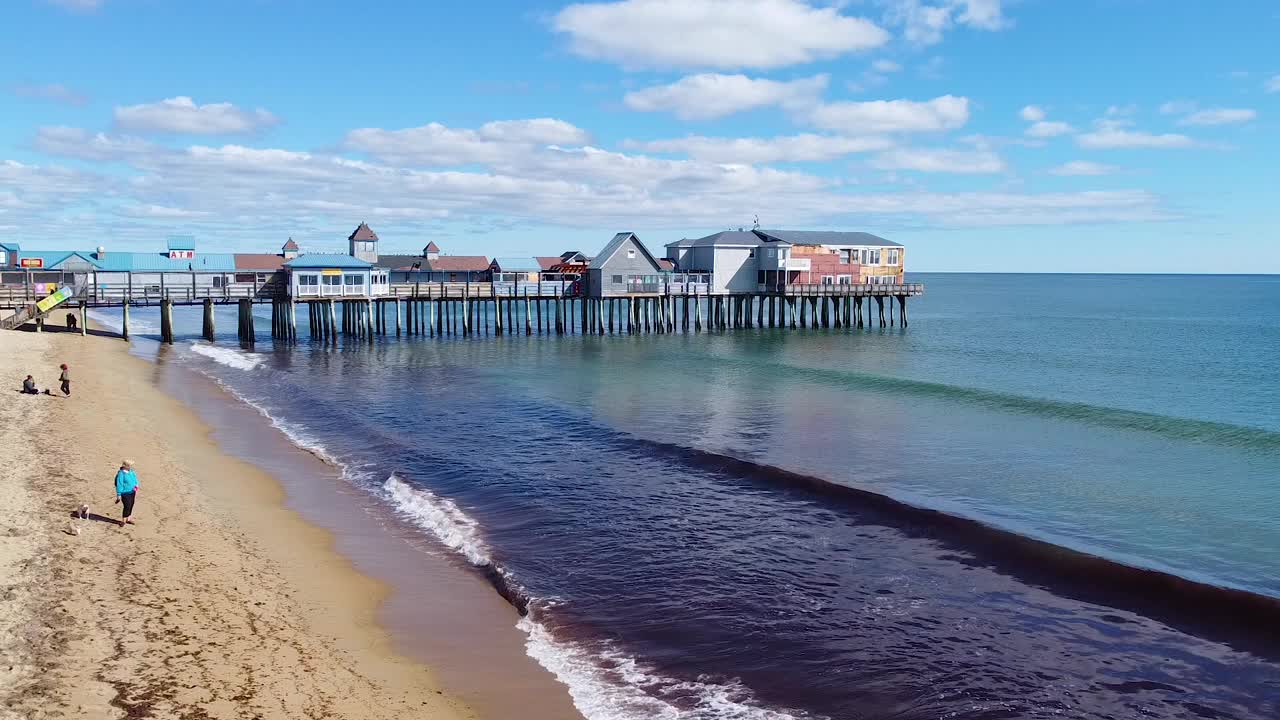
(470, 309)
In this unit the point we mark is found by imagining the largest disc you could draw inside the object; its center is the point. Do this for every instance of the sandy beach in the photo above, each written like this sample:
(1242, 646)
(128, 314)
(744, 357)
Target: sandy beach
(209, 607)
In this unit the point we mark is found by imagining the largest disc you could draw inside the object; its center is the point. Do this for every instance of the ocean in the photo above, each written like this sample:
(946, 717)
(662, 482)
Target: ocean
(1051, 496)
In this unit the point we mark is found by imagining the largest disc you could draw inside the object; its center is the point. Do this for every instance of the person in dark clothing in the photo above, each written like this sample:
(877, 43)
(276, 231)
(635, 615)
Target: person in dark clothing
(65, 378)
(29, 386)
(71, 321)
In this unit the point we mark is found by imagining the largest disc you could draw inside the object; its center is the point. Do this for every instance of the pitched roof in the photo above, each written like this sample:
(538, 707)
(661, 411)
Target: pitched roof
(400, 262)
(432, 247)
(516, 264)
(362, 232)
(666, 264)
(181, 242)
(327, 260)
(289, 245)
(258, 261)
(608, 251)
(458, 263)
(731, 238)
(546, 263)
(829, 237)
(204, 262)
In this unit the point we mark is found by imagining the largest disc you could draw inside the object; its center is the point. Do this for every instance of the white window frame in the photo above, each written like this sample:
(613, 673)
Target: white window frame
(631, 253)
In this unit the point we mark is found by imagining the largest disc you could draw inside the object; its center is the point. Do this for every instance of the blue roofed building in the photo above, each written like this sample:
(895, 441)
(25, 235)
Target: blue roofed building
(515, 269)
(324, 275)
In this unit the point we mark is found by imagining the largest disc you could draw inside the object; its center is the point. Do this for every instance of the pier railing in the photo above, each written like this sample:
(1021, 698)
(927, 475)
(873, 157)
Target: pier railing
(115, 295)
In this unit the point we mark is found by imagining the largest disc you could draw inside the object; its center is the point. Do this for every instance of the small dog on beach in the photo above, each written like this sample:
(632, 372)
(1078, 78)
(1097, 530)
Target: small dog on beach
(84, 511)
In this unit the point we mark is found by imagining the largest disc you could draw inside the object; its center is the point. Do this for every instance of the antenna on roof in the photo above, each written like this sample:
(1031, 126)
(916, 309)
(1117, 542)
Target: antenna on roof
(755, 222)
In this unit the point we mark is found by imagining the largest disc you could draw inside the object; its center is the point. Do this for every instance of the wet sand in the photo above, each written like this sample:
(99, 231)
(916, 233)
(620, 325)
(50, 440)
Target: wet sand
(222, 601)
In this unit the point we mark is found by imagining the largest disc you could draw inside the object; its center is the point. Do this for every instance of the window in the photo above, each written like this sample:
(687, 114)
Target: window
(245, 277)
(844, 280)
(308, 280)
(828, 280)
(875, 257)
(616, 279)
(751, 253)
(773, 252)
(846, 256)
(353, 280)
(332, 280)
(217, 281)
(631, 254)
(4, 258)
(894, 257)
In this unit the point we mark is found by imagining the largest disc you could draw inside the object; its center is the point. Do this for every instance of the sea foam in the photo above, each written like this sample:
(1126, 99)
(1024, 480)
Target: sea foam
(609, 685)
(227, 356)
(441, 517)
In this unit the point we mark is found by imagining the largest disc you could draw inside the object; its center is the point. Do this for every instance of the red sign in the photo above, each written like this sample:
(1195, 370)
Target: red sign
(31, 262)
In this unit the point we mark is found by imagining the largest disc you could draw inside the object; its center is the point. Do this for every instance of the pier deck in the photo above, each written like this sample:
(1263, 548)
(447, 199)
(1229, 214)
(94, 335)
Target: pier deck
(441, 309)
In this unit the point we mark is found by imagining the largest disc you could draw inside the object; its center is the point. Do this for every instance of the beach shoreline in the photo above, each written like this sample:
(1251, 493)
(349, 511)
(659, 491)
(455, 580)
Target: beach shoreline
(221, 601)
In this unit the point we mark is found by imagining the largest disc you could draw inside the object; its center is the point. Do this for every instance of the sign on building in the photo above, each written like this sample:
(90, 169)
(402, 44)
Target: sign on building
(31, 262)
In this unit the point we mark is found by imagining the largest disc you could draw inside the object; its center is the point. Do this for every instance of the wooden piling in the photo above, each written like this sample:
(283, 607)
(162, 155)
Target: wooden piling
(880, 308)
(124, 320)
(207, 327)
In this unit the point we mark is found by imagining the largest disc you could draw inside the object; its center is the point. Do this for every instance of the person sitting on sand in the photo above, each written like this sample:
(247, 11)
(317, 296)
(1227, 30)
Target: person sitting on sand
(65, 378)
(126, 489)
(71, 321)
(29, 386)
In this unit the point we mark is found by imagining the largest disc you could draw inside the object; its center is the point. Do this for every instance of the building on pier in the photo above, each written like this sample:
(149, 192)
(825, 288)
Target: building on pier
(515, 269)
(744, 261)
(624, 267)
(325, 275)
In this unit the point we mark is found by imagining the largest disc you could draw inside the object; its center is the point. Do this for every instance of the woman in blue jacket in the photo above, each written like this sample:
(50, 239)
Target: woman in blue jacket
(126, 489)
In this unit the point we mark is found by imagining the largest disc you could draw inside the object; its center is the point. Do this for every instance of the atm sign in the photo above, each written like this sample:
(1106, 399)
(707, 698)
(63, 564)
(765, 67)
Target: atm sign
(31, 262)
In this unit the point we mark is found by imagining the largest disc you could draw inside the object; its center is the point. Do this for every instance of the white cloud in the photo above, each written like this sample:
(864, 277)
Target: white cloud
(1032, 113)
(924, 22)
(887, 116)
(80, 143)
(1049, 128)
(1109, 137)
(1177, 107)
(1082, 167)
(982, 14)
(886, 66)
(182, 115)
(435, 145)
(1272, 85)
(509, 176)
(805, 147)
(53, 92)
(81, 5)
(1219, 116)
(710, 95)
(970, 162)
(713, 33)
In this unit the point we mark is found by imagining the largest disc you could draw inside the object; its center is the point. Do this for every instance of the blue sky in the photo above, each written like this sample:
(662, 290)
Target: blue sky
(1002, 135)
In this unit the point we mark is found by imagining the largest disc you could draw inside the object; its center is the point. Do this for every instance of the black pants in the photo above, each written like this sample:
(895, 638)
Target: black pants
(127, 499)
(66, 387)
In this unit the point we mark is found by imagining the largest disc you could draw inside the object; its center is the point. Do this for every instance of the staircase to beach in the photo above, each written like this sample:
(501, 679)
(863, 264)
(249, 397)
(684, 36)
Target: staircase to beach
(32, 312)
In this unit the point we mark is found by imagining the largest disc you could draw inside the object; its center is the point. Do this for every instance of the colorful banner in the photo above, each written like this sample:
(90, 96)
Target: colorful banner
(330, 272)
(53, 300)
(31, 262)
